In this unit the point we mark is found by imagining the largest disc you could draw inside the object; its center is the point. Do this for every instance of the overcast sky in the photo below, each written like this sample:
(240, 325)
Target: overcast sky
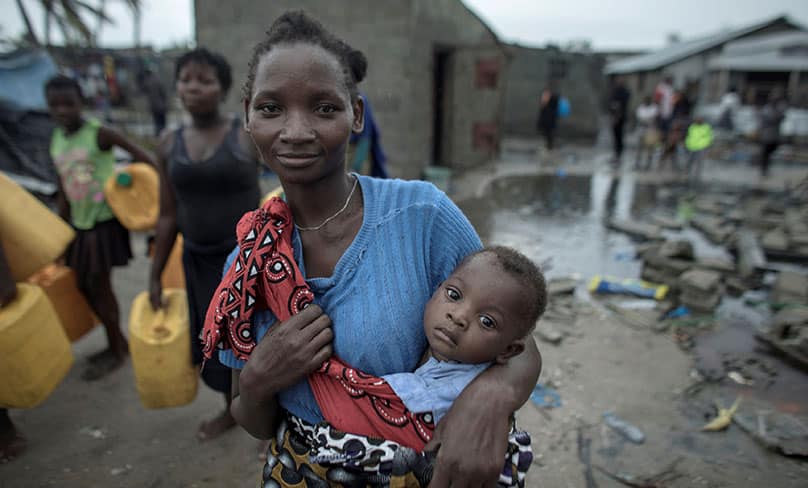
(608, 24)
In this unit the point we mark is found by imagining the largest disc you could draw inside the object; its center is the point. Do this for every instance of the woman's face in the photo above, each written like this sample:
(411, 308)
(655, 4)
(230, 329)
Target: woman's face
(300, 114)
(199, 88)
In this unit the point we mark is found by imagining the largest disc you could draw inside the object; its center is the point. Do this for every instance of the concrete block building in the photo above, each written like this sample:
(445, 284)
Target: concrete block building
(578, 77)
(435, 77)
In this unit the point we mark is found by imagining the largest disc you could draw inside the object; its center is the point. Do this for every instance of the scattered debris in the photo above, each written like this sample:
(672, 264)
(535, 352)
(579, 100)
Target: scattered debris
(701, 290)
(562, 286)
(682, 338)
(719, 264)
(789, 335)
(680, 248)
(751, 260)
(775, 240)
(739, 378)
(678, 312)
(790, 287)
(627, 430)
(778, 432)
(94, 432)
(636, 318)
(547, 333)
(648, 232)
(605, 284)
(659, 480)
(714, 228)
(666, 222)
(545, 397)
(585, 456)
(120, 471)
(724, 417)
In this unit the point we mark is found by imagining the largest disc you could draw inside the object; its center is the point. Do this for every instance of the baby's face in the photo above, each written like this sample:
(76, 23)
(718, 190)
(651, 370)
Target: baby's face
(475, 314)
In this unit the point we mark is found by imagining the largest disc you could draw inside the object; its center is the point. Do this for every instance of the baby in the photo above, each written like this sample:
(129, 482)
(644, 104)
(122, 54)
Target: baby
(479, 316)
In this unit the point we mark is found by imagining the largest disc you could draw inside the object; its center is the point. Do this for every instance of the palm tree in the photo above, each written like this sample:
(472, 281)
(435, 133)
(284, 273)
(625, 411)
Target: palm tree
(67, 14)
(70, 16)
(30, 35)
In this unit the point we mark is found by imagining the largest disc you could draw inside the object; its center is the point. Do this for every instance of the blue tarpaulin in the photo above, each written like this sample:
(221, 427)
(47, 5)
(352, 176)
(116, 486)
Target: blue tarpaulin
(23, 75)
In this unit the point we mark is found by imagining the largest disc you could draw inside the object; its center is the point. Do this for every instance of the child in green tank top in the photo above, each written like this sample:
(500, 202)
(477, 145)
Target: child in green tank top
(82, 154)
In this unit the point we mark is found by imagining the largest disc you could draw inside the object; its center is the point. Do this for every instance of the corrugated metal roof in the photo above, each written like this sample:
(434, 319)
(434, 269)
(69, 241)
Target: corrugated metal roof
(676, 52)
(769, 61)
(764, 53)
(767, 43)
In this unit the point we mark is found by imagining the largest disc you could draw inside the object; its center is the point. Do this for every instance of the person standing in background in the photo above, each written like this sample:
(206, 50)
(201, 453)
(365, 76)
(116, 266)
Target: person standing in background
(82, 153)
(647, 114)
(730, 102)
(663, 97)
(365, 154)
(770, 117)
(208, 180)
(158, 101)
(699, 138)
(618, 109)
(548, 115)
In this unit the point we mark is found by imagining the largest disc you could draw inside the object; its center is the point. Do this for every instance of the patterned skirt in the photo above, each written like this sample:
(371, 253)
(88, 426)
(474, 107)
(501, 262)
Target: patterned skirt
(314, 456)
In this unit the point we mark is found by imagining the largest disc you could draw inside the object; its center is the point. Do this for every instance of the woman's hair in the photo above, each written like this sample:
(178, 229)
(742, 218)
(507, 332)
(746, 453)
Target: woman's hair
(296, 26)
(525, 271)
(60, 82)
(201, 55)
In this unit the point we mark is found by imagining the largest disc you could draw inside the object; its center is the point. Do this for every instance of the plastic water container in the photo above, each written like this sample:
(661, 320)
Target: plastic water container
(133, 194)
(159, 342)
(59, 284)
(31, 235)
(35, 353)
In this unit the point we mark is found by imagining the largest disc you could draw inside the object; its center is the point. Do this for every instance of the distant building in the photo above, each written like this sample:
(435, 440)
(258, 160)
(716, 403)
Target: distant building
(758, 66)
(435, 77)
(578, 77)
(688, 62)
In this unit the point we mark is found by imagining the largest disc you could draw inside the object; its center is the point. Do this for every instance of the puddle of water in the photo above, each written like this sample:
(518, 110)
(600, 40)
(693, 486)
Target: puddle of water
(731, 346)
(559, 220)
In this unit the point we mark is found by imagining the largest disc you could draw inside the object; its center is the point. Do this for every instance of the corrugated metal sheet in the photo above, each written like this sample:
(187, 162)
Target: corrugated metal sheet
(23, 75)
(681, 50)
(775, 52)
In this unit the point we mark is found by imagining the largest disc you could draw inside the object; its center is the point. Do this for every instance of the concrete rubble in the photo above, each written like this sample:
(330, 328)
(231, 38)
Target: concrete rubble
(790, 287)
(701, 290)
(641, 230)
(789, 335)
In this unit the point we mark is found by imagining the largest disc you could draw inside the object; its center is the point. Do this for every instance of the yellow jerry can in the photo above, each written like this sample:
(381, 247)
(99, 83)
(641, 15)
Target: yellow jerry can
(133, 194)
(161, 351)
(31, 235)
(35, 353)
(59, 284)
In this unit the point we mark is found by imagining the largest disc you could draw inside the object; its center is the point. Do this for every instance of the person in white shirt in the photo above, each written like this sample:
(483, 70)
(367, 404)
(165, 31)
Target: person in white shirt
(728, 106)
(663, 96)
(647, 114)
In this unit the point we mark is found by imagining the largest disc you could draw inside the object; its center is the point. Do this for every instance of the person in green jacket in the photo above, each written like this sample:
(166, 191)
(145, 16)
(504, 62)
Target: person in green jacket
(699, 138)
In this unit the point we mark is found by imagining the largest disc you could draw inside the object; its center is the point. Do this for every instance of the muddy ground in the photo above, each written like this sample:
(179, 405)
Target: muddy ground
(98, 434)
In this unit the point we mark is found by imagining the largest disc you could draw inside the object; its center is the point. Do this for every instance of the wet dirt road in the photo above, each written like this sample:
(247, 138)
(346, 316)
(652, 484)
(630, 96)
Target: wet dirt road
(98, 434)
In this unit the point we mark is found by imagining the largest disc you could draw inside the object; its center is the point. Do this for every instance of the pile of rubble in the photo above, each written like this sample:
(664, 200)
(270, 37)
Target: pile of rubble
(695, 283)
(781, 226)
